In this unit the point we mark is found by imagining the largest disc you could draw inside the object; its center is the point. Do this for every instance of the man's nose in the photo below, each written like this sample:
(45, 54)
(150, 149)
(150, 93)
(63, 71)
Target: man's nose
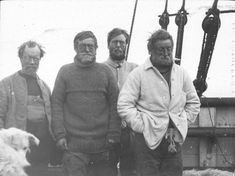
(32, 61)
(166, 51)
(87, 49)
(118, 44)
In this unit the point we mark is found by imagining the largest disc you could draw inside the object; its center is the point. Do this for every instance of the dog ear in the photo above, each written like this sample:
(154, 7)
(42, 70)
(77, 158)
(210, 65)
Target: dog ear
(9, 139)
(33, 140)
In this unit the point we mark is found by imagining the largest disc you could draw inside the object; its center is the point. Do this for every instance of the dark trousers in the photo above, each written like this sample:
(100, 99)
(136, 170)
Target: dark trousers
(158, 162)
(83, 164)
(39, 156)
(127, 157)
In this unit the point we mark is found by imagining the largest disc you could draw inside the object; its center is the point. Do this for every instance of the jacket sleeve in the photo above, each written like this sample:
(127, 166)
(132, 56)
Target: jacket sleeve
(114, 128)
(57, 104)
(127, 102)
(192, 107)
(3, 103)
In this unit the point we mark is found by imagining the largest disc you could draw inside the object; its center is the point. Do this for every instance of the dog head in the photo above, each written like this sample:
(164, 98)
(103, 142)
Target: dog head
(14, 144)
(18, 139)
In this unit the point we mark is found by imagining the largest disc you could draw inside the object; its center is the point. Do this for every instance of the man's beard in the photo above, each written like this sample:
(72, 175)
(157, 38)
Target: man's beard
(163, 62)
(30, 70)
(166, 62)
(86, 58)
(117, 57)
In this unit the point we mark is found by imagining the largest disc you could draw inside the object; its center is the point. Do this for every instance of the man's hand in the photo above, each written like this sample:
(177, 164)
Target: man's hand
(62, 144)
(114, 150)
(114, 146)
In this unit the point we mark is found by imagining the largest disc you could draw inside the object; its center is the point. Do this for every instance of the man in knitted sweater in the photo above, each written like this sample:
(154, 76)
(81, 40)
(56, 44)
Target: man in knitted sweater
(85, 120)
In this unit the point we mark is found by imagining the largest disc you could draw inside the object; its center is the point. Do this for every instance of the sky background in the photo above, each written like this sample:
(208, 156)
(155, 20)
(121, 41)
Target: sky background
(54, 23)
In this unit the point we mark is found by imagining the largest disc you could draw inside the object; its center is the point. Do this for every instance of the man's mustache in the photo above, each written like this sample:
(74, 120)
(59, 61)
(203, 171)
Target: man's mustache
(31, 66)
(89, 54)
(119, 50)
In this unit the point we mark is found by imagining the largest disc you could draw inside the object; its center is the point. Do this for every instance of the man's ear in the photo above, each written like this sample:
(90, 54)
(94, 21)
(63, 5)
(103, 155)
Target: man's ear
(75, 49)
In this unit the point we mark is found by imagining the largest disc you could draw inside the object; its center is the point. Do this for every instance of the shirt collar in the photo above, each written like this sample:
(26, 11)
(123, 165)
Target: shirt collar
(148, 64)
(115, 64)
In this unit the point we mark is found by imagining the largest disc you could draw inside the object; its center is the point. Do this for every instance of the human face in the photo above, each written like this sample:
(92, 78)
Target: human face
(117, 47)
(30, 60)
(161, 54)
(86, 50)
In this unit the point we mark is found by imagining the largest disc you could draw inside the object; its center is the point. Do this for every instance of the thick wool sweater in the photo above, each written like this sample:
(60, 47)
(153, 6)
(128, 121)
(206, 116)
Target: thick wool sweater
(84, 102)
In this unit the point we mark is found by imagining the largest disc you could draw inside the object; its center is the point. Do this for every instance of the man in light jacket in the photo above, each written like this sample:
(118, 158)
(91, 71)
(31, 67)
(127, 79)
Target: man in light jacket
(157, 101)
(25, 104)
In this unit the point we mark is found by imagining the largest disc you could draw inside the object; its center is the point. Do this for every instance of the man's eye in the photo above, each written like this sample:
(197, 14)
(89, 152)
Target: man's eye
(15, 148)
(120, 42)
(84, 46)
(25, 148)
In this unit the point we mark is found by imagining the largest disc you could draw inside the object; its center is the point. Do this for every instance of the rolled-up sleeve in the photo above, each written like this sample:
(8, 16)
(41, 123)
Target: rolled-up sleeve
(127, 101)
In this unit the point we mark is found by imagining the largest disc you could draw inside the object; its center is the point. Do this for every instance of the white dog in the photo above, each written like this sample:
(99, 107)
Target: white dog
(207, 172)
(14, 144)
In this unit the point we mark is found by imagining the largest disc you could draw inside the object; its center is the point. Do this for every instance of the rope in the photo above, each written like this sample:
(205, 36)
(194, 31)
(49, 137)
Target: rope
(170, 136)
(210, 25)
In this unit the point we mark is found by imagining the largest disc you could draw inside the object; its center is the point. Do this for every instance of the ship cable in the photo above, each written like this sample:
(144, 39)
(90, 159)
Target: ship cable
(132, 24)
(180, 20)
